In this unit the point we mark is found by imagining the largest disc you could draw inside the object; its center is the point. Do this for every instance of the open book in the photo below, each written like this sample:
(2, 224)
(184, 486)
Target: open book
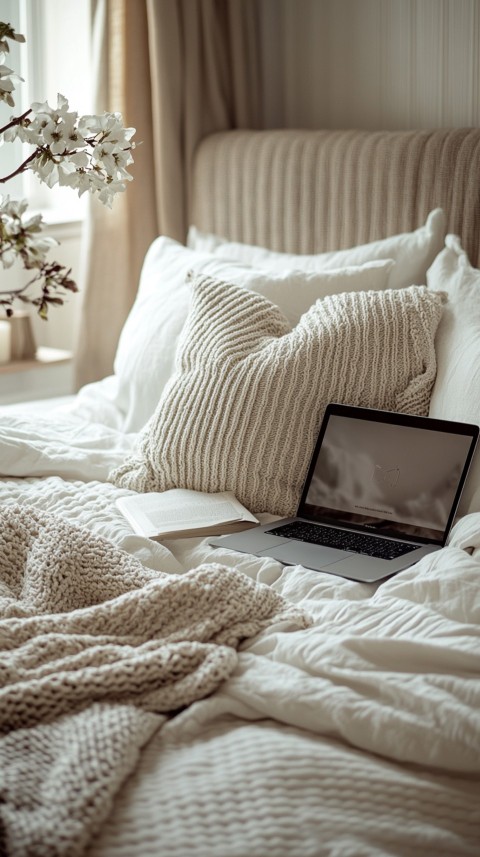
(183, 513)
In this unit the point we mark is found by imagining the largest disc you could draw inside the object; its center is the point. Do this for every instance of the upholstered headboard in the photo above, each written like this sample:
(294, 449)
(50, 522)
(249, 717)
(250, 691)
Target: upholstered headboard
(312, 191)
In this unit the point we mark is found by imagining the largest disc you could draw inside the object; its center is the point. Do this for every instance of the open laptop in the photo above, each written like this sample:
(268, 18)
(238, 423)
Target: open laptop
(381, 492)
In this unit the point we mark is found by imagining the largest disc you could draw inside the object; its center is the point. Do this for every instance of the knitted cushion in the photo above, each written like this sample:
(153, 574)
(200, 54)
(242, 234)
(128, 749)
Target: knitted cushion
(243, 410)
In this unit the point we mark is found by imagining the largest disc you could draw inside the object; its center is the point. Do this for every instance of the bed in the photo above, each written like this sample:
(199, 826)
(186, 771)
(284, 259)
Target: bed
(178, 699)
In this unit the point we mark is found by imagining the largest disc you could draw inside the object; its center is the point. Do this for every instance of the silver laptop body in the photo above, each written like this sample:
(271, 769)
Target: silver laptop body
(381, 492)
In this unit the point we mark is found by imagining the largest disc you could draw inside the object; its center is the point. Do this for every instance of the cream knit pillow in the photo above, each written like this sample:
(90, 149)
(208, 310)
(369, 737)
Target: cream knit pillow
(243, 409)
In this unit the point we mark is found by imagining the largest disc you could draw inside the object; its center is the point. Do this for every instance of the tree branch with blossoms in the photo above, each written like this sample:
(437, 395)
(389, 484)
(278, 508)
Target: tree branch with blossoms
(88, 153)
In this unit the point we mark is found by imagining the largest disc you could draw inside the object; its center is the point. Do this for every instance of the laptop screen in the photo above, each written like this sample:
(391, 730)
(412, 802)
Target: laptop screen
(399, 479)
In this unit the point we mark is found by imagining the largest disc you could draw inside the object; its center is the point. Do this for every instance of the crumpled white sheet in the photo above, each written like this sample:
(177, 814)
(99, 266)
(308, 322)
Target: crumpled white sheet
(98, 402)
(392, 668)
(54, 445)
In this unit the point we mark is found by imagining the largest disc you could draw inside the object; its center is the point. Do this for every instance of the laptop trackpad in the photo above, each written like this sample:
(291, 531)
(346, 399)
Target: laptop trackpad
(302, 553)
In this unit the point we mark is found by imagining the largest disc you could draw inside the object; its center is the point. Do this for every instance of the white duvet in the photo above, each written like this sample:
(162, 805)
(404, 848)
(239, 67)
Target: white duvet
(359, 735)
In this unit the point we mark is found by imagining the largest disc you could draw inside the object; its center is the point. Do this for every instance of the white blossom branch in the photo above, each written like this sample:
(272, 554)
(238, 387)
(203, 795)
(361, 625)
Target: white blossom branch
(87, 153)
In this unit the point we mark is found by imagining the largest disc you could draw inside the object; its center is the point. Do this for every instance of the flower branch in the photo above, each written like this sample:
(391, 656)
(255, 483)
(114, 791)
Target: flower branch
(87, 153)
(15, 121)
(51, 277)
(20, 169)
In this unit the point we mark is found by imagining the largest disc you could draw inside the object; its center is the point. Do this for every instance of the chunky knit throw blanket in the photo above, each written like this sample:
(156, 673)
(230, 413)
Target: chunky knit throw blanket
(95, 651)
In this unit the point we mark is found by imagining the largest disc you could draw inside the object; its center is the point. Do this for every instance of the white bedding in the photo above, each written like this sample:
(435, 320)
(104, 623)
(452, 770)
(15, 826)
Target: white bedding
(359, 735)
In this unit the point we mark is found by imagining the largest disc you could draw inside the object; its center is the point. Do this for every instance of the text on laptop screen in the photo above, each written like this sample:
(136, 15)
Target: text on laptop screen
(392, 478)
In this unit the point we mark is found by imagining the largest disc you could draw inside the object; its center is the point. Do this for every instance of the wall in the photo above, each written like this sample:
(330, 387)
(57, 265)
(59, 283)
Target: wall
(374, 64)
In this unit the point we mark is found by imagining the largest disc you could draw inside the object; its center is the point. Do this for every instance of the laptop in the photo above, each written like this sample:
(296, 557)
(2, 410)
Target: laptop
(381, 492)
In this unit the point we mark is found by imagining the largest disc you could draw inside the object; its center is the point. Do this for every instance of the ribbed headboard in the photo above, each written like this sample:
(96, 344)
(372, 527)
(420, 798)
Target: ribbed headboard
(311, 191)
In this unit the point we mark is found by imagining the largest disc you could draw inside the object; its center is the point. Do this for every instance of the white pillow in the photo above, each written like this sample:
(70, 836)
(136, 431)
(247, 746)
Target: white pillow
(96, 403)
(413, 252)
(456, 393)
(146, 350)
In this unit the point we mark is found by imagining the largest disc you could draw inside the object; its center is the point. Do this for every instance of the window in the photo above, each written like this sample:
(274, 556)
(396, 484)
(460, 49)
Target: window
(55, 58)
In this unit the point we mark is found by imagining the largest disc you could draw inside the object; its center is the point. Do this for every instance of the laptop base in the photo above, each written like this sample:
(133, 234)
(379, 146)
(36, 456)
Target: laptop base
(352, 566)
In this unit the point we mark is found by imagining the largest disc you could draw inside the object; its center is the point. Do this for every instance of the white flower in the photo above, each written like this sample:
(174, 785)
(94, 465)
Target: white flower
(79, 159)
(55, 127)
(48, 173)
(12, 207)
(108, 128)
(66, 173)
(91, 126)
(8, 79)
(60, 136)
(7, 32)
(73, 138)
(112, 159)
(19, 234)
(55, 113)
(36, 249)
(11, 134)
(108, 192)
(43, 166)
(102, 155)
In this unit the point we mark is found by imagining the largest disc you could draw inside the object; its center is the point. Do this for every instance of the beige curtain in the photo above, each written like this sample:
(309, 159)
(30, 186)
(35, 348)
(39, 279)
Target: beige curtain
(177, 70)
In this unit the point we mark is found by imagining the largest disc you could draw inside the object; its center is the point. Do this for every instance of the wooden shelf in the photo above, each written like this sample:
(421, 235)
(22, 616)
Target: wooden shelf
(43, 357)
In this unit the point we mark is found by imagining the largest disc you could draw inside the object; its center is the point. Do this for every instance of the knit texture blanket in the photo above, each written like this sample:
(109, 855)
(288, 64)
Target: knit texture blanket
(95, 652)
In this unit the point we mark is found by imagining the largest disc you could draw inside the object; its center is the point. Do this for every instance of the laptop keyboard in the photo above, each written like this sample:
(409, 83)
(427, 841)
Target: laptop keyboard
(343, 540)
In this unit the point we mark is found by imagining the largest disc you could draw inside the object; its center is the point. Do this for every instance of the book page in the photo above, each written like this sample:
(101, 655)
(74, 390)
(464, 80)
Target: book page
(190, 514)
(182, 509)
